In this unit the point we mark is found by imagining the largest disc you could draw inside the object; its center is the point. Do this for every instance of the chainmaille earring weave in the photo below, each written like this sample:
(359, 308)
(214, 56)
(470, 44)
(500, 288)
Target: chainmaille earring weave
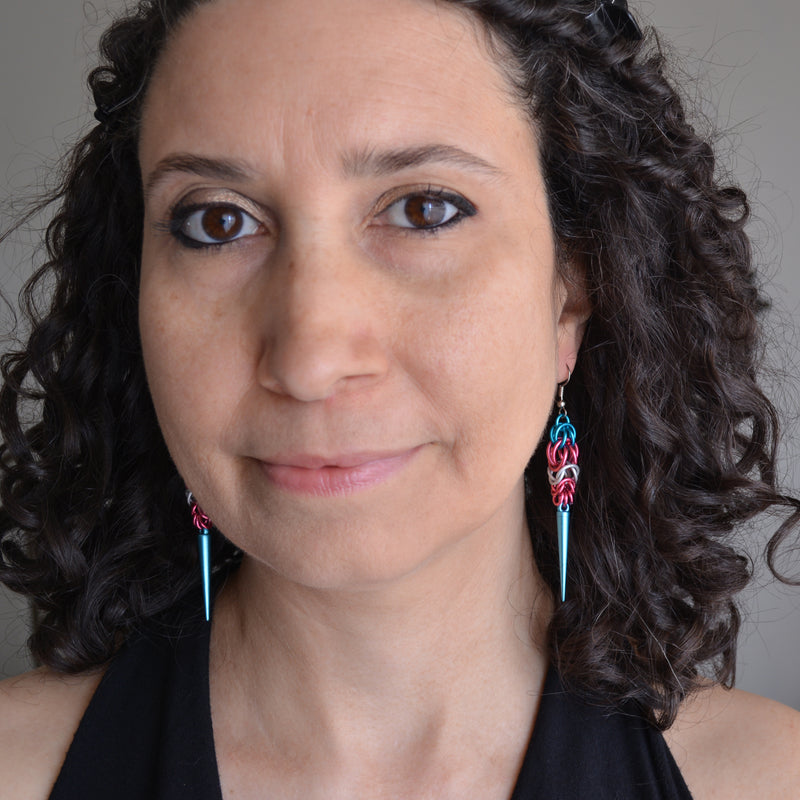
(203, 524)
(562, 473)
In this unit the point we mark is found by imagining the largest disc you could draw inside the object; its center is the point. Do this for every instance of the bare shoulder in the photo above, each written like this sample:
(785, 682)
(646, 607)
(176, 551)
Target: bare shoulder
(730, 743)
(39, 714)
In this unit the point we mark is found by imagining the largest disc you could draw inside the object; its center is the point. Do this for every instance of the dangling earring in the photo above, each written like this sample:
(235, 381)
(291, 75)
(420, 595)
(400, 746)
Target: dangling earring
(202, 523)
(562, 473)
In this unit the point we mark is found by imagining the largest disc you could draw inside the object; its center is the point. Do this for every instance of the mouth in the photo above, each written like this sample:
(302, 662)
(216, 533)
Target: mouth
(341, 474)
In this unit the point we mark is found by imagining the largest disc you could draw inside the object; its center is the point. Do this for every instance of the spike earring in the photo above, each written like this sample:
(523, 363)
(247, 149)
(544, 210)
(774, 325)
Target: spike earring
(562, 473)
(203, 524)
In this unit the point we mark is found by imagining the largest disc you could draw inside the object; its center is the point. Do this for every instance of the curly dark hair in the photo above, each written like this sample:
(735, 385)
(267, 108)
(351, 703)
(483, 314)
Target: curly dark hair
(677, 439)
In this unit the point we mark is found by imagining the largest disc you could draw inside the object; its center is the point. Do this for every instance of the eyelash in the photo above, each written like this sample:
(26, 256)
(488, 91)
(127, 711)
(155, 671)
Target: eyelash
(180, 214)
(463, 206)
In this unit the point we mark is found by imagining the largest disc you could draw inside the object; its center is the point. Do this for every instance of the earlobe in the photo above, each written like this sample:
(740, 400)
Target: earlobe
(576, 310)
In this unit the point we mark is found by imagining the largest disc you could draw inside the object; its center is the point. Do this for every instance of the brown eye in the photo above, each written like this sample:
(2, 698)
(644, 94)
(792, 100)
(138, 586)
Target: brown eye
(425, 212)
(428, 210)
(214, 225)
(222, 222)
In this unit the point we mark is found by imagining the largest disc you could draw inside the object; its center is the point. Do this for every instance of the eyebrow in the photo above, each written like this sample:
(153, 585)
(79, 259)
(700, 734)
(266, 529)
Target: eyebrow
(217, 168)
(361, 163)
(384, 162)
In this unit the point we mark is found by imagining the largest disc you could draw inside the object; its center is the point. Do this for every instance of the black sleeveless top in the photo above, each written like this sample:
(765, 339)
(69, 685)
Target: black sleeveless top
(147, 735)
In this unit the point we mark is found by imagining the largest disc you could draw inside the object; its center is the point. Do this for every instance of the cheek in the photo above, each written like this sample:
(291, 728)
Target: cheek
(490, 365)
(188, 364)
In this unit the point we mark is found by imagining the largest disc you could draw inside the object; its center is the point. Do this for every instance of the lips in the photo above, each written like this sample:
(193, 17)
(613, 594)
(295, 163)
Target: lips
(340, 474)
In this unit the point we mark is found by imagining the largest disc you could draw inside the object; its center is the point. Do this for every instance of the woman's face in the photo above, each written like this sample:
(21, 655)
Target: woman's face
(350, 314)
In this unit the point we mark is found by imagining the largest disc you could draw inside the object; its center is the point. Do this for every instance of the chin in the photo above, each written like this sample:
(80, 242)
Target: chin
(345, 556)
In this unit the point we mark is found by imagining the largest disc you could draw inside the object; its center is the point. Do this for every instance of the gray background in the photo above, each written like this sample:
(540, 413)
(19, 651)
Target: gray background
(748, 61)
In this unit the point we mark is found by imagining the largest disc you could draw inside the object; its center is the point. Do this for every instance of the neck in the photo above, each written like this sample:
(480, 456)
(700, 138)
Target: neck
(451, 651)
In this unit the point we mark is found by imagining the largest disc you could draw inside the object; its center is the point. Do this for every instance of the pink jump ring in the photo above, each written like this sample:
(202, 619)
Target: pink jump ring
(200, 520)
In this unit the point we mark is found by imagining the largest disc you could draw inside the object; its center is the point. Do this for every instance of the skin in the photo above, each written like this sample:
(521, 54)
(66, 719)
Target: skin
(331, 329)
(380, 640)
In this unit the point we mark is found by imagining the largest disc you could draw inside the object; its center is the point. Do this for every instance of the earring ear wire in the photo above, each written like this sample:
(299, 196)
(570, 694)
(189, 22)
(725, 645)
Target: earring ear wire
(562, 474)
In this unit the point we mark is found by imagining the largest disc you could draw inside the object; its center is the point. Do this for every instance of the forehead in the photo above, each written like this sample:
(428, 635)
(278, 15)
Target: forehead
(261, 74)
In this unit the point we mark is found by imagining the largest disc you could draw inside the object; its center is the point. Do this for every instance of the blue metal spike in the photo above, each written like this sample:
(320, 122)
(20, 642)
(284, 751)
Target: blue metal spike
(562, 518)
(204, 546)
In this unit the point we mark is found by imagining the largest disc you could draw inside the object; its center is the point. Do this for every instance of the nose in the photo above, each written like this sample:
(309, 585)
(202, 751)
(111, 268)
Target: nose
(322, 321)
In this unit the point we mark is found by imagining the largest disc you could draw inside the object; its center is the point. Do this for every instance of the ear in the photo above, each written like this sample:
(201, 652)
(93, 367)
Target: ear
(575, 312)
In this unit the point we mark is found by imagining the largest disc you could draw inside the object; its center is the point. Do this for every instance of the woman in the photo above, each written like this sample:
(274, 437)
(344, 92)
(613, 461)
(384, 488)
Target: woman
(335, 268)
